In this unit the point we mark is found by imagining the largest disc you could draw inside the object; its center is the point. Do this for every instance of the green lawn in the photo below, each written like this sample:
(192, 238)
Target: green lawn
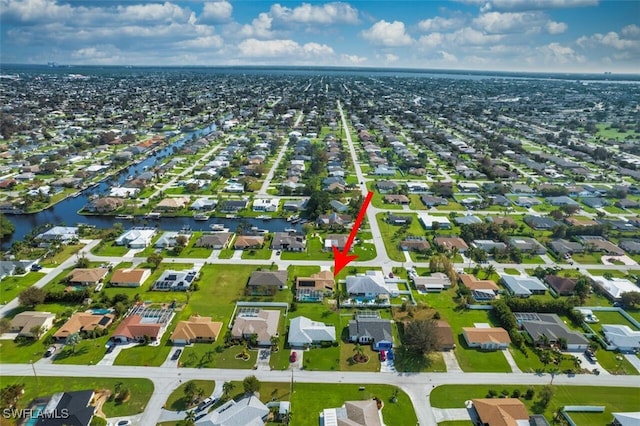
(615, 399)
(87, 352)
(405, 361)
(264, 253)
(66, 252)
(12, 286)
(309, 399)
(109, 248)
(315, 250)
(177, 401)
(141, 390)
(207, 355)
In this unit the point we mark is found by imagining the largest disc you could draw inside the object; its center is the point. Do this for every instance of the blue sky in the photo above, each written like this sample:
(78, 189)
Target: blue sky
(511, 35)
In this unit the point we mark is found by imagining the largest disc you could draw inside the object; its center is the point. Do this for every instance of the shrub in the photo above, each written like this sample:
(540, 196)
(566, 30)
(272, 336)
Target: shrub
(529, 394)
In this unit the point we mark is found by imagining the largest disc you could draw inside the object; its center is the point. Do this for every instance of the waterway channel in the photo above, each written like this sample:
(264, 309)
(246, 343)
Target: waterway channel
(66, 211)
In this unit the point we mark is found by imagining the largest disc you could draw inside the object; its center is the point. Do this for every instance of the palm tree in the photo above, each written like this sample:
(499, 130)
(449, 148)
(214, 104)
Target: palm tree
(227, 387)
(553, 373)
(191, 417)
(72, 340)
(359, 350)
(490, 269)
(275, 340)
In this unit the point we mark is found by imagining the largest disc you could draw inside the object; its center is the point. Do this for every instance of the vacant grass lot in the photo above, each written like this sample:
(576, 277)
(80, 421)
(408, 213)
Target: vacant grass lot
(109, 248)
(13, 285)
(64, 254)
(315, 250)
(141, 390)
(615, 399)
(177, 400)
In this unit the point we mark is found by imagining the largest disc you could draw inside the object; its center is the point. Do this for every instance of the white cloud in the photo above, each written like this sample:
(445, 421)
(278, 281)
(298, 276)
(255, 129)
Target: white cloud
(631, 31)
(440, 24)
(487, 5)
(555, 53)
(353, 59)
(217, 11)
(206, 42)
(260, 27)
(31, 11)
(388, 34)
(611, 40)
(153, 12)
(553, 27)
(517, 22)
(448, 57)
(469, 36)
(290, 49)
(431, 40)
(325, 14)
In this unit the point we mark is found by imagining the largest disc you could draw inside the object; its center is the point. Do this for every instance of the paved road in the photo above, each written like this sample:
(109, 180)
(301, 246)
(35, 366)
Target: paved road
(417, 385)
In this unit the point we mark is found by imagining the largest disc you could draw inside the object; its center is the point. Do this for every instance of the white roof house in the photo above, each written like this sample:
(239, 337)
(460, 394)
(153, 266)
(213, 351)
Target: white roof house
(523, 286)
(614, 287)
(303, 331)
(136, 238)
(370, 284)
(622, 336)
(59, 233)
(123, 192)
(249, 411)
(627, 419)
(428, 220)
(265, 205)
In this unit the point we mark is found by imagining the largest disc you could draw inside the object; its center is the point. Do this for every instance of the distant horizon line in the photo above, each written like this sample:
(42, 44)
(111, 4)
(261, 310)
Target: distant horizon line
(54, 65)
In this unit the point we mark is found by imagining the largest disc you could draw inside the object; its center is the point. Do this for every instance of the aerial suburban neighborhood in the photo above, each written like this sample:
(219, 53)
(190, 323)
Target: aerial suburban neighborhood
(168, 257)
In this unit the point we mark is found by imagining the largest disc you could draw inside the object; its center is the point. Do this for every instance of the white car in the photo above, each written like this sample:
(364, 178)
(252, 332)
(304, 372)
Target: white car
(124, 423)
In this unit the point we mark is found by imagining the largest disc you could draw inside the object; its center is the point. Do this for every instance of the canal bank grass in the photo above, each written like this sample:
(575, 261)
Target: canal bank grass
(614, 399)
(141, 390)
(177, 401)
(13, 285)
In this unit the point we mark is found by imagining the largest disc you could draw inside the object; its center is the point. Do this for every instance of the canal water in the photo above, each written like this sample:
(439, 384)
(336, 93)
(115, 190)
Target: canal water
(65, 212)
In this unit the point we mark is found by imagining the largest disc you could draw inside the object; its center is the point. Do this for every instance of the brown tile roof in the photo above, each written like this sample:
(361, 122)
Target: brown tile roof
(128, 276)
(265, 325)
(320, 281)
(500, 411)
(197, 328)
(245, 241)
(561, 285)
(472, 283)
(444, 334)
(87, 275)
(132, 328)
(486, 335)
(450, 242)
(83, 321)
(499, 220)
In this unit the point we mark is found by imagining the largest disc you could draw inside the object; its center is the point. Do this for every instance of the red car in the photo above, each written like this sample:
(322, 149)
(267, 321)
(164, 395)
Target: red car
(293, 357)
(383, 356)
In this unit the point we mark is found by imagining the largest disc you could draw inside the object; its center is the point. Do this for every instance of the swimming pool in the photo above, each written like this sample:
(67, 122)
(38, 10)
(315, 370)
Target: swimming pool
(37, 409)
(100, 311)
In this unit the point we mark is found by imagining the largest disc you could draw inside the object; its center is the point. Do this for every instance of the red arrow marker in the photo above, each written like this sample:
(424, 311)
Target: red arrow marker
(341, 259)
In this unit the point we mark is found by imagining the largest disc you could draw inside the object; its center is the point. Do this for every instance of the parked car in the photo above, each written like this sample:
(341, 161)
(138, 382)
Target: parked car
(176, 354)
(110, 348)
(35, 267)
(383, 356)
(124, 423)
(293, 357)
(50, 351)
(204, 404)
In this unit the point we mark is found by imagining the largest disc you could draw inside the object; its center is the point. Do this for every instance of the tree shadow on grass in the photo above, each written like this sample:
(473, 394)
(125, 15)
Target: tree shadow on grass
(407, 361)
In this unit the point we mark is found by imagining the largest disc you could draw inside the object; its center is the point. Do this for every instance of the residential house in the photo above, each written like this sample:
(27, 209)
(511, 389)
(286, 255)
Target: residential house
(196, 329)
(575, 221)
(374, 331)
(396, 199)
(488, 245)
(481, 290)
(414, 243)
(553, 329)
(244, 242)
(217, 240)
(370, 285)
(304, 332)
(594, 202)
(267, 282)
(562, 200)
(614, 287)
(387, 186)
(233, 206)
(265, 205)
(338, 206)
(467, 220)
(83, 322)
(86, 276)
(247, 411)
(449, 243)
(601, 244)
(334, 220)
(540, 222)
(502, 220)
(444, 336)
(263, 324)
(399, 220)
(26, 321)
(384, 171)
(486, 338)
(172, 203)
(501, 411)
(526, 202)
(336, 240)
(565, 247)
(432, 201)
(622, 337)
(527, 245)
(67, 408)
(170, 239)
(294, 205)
(104, 205)
(288, 241)
(323, 282)
(436, 282)
(626, 419)
(428, 221)
(523, 286)
(352, 413)
(62, 234)
(205, 204)
(563, 286)
(175, 280)
(129, 277)
(138, 328)
(136, 238)
(630, 246)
